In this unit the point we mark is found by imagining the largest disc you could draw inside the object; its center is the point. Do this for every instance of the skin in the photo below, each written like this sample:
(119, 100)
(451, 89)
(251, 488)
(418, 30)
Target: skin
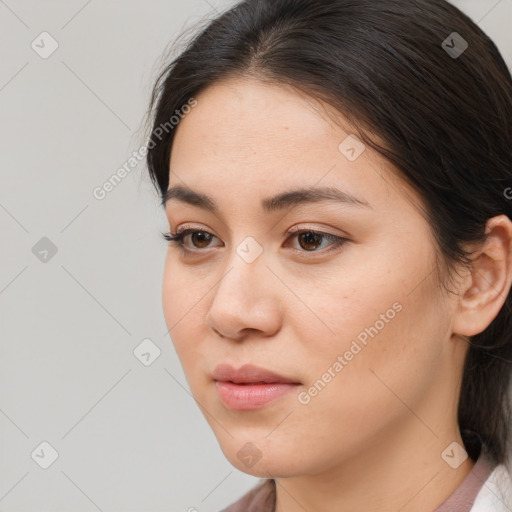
(372, 439)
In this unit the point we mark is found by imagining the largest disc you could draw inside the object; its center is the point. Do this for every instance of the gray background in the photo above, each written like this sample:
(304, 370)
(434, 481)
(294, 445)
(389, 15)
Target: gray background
(129, 437)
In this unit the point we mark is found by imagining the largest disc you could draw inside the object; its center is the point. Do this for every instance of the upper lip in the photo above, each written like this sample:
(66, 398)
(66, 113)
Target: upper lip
(248, 373)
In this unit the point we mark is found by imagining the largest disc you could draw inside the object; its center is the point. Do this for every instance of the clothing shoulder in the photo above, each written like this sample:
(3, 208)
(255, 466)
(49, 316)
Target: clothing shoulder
(496, 493)
(259, 499)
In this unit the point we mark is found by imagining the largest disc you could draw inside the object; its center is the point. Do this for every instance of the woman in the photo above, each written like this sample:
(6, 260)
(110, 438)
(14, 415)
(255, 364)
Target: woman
(337, 177)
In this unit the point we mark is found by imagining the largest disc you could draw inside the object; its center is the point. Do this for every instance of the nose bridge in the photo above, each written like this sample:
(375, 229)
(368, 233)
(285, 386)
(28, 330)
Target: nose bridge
(245, 269)
(244, 299)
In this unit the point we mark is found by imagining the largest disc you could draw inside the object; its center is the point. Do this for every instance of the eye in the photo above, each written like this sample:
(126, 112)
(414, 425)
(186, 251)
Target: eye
(309, 240)
(200, 236)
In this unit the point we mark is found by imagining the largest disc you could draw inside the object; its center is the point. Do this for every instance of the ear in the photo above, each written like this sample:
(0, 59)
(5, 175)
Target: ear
(486, 287)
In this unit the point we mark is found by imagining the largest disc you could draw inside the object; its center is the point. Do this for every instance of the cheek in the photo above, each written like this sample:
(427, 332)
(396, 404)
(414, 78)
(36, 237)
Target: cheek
(386, 347)
(381, 310)
(172, 290)
(182, 308)
(384, 297)
(183, 291)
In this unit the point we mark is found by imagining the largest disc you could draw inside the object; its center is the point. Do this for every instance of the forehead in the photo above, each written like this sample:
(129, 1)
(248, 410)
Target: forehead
(244, 136)
(240, 114)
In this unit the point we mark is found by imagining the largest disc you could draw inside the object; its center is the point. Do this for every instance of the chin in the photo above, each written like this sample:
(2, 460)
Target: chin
(262, 458)
(267, 469)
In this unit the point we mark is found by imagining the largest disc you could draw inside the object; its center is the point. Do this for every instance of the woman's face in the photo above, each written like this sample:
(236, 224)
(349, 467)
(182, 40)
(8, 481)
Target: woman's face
(360, 327)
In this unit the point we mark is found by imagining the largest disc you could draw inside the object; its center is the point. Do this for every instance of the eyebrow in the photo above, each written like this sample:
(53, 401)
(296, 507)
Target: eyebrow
(281, 201)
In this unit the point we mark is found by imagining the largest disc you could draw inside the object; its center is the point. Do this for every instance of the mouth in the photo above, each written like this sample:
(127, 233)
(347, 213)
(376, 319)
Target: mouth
(247, 396)
(247, 383)
(249, 374)
(250, 387)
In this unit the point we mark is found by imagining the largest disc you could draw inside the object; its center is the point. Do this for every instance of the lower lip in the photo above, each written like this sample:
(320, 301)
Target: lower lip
(242, 397)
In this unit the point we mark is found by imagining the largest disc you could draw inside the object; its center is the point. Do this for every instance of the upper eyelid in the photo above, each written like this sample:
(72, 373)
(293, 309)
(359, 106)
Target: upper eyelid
(307, 227)
(292, 231)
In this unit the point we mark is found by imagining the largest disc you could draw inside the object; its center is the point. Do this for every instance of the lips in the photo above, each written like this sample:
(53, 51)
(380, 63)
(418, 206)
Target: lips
(249, 374)
(250, 387)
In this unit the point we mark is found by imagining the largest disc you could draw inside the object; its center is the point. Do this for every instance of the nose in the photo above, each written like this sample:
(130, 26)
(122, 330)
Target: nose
(246, 300)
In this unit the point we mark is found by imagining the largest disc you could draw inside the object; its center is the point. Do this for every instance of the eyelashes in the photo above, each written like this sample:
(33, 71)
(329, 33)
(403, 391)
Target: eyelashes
(179, 237)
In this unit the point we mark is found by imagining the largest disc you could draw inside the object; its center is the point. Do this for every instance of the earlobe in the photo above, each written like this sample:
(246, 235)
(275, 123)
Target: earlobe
(487, 286)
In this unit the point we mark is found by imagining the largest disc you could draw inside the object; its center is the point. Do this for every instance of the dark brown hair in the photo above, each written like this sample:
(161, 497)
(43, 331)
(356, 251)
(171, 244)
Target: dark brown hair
(445, 119)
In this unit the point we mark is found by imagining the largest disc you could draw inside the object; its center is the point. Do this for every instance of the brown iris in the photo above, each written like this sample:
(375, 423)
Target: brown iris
(309, 238)
(202, 237)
